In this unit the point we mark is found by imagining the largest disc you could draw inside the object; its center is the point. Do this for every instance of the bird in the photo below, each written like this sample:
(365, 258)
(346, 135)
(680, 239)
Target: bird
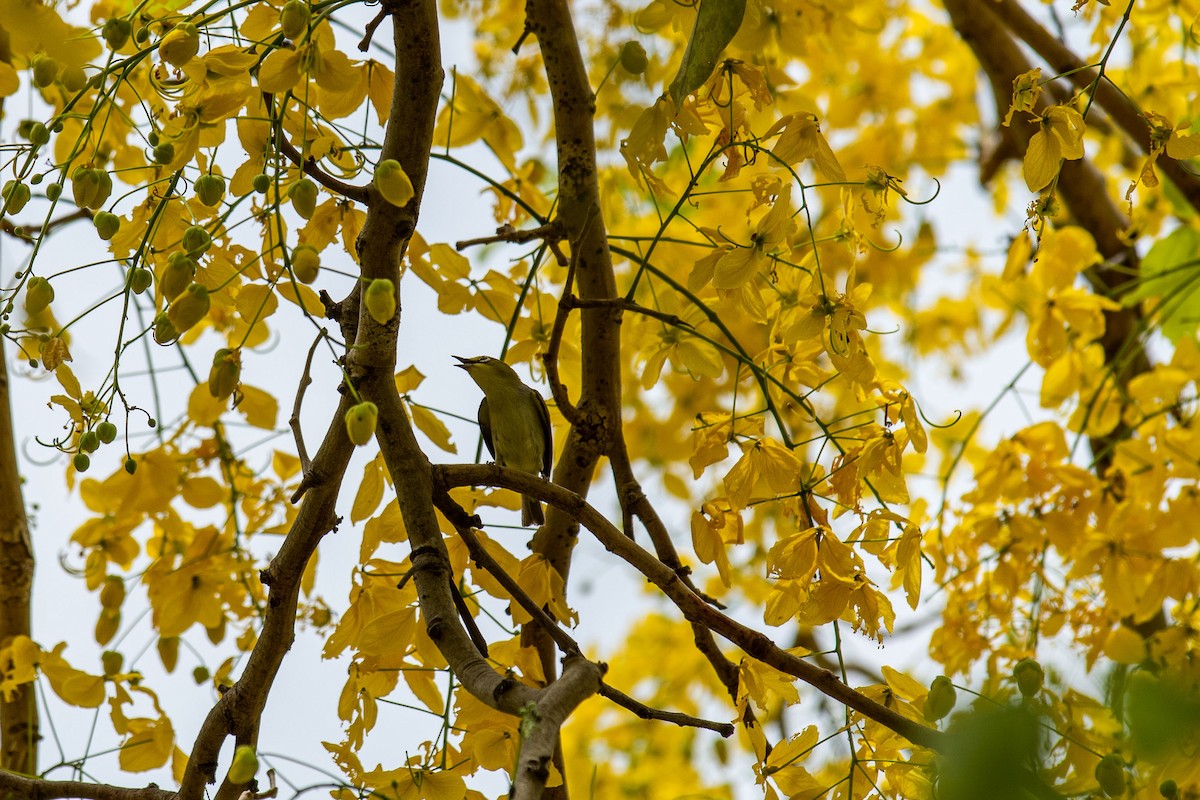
(515, 424)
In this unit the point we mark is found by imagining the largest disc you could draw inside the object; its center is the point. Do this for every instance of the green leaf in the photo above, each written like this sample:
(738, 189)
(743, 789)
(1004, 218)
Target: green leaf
(716, 25)
(1171, 270)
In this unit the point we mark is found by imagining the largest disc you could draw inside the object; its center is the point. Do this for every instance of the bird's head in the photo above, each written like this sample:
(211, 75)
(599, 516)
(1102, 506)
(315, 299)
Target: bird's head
(488, 372)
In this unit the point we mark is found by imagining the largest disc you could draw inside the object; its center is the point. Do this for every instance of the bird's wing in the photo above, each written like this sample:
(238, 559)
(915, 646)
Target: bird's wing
(485, 426)
(547, 431)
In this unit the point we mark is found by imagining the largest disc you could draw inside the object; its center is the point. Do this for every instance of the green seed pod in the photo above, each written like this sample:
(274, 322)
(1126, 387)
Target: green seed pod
(306, 263)
(380, 299)
(304, 197)
(81, 462)
(293, 18)
(164, 333)
(107, 224)
(189, 308)
(106, 431)
(45, 70)
(1110, 774)
(360, 422)
(633, 58)
(89, 442)
(38, 294)
(196, 240)
(941, 698)
(116, 32)
(140, 279)
(210, 189)
(176, 276)
(261, 183)
(1029, 676)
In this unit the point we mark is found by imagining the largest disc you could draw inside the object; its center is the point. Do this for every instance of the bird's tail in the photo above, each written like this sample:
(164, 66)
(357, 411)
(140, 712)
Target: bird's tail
(531, 512)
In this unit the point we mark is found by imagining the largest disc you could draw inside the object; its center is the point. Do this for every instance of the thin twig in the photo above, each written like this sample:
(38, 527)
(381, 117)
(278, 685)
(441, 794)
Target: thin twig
(310, 168)
(294, 422)
(365, 42)
(550, 358)
(468, 621)
(480, 556)
(551, 233)
(647, 712)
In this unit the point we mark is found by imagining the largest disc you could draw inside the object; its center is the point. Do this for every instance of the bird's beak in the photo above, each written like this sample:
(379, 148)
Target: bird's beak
(464, 362)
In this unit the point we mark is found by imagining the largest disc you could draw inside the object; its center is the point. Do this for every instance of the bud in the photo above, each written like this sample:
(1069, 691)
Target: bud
(306, 263)
(393, 183)
(304, 195)
(104, 187)
(293, 18)
(380, 299)
(941, 698)
(164, 153)
(140, 279)
(130, 465)
(225, 373)
(89, 442)
(81, 462)
(180, 45)
(633, 58)
(112, 593)
(107, 625)
(112, 661)
(1168, 789)
(210, 189)
(74, 78)
(16, 195)
(196, 240)
(107, 224)
(38, 294)
(106, 431)
(360, 422)
(39, 134)
(85, 185)
(45, 70)
(1028, 675)
(53, 191)
(1110, 774)
(261, 182)
(189, 308)
(164, 333)
(176, 276)
(244, 766)
(116, 32)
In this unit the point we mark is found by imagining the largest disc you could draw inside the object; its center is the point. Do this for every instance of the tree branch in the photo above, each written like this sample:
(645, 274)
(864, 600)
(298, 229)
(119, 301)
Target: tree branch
(310, 168)
(693, 607)
(38, 789)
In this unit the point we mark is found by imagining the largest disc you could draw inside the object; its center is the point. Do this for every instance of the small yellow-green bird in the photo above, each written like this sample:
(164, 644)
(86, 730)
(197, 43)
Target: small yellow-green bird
(515, 424)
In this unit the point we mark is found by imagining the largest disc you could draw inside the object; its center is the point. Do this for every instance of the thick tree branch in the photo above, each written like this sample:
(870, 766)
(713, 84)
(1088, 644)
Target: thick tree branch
(1084, 193)
(693, 607)
(19, 715)
(310, 168)
(1119, 106)
(37, 789)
